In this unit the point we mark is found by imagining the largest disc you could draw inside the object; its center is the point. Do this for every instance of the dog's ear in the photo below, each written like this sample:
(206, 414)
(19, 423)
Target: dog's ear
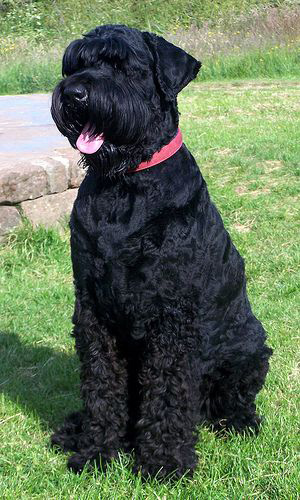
(174, 67)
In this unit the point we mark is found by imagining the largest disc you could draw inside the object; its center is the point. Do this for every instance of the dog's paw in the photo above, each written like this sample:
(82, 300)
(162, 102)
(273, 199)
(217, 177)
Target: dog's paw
(64, 442)
(161, 473)
(76, 463)
(246, 425)
(67, 436)
(169, 470)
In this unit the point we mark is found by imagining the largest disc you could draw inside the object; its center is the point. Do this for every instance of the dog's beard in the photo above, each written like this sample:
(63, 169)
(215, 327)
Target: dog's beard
(117, 113)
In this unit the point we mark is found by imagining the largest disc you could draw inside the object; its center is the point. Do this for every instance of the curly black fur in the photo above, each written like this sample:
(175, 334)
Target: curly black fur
(162, 323)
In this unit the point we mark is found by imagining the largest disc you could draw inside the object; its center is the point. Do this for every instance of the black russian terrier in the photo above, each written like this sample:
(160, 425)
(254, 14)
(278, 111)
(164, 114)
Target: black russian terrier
(163, 327)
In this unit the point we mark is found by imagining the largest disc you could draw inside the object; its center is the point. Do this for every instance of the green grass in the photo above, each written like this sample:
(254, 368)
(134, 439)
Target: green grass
(234, 39)
(245, 137)
(41, 73)
(278, 63)
(54, 19)
(29, 76)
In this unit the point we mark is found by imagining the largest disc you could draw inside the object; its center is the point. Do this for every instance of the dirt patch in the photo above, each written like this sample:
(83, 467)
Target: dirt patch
(243, 228)
(223, 152)
(295, 372)
(237, 88)
(271, 165)
(243, 191)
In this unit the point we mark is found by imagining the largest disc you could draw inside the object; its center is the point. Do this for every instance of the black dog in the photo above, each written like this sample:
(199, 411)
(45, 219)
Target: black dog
(163, 326)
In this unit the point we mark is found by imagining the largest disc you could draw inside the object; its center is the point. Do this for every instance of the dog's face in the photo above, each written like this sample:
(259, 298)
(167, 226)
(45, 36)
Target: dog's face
(117, 103)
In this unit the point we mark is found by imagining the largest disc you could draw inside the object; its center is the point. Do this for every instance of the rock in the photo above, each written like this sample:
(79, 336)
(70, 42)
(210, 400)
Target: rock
(9, 219)
(70, 159)
(76, 175)
(76, 172)
(50, 210)
(57, 171)
(33, 177)
(21, 182)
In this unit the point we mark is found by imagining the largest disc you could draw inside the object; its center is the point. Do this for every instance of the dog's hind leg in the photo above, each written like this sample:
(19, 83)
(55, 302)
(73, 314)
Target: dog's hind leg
(68, 435)
(103, 389)
(231, 401)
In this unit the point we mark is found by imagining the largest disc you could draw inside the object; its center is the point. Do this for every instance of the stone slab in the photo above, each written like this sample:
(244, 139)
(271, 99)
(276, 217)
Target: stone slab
(22, 181)
(57, 171)
(36, 175)
(9, 219)
(51, 210)
(26, 125)
(37, 164)
(28, 136)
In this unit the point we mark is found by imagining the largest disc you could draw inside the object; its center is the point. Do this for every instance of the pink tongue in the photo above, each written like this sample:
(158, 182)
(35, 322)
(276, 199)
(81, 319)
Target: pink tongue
(87, 144)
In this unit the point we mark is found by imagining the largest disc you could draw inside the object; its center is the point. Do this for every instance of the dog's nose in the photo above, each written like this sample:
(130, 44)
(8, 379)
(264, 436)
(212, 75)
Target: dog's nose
(77, 92)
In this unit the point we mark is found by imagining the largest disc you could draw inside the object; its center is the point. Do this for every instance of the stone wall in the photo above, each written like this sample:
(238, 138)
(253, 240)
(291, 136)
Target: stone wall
(42, 189)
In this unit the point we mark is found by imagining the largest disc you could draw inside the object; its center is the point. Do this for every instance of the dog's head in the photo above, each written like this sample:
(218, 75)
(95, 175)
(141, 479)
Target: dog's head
(117, 101)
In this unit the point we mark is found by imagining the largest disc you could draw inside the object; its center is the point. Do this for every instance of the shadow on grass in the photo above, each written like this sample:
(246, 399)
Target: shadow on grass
(44, 382)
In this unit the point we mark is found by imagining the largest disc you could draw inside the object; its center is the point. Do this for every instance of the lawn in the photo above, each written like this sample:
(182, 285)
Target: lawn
(234, 39)
(245, 137)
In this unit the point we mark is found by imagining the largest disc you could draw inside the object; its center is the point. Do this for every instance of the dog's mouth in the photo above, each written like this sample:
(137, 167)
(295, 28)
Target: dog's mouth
(88, 142)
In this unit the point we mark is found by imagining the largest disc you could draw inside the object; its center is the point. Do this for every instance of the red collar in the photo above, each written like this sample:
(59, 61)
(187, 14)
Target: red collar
(165, 152)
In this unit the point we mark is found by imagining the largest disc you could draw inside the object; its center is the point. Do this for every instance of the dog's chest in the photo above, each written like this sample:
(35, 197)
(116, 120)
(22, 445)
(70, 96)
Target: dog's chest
(142, 246)
(137, 234)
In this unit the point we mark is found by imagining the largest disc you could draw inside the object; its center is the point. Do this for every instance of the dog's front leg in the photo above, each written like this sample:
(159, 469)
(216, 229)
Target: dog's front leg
(166, 430)
(104, 388)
